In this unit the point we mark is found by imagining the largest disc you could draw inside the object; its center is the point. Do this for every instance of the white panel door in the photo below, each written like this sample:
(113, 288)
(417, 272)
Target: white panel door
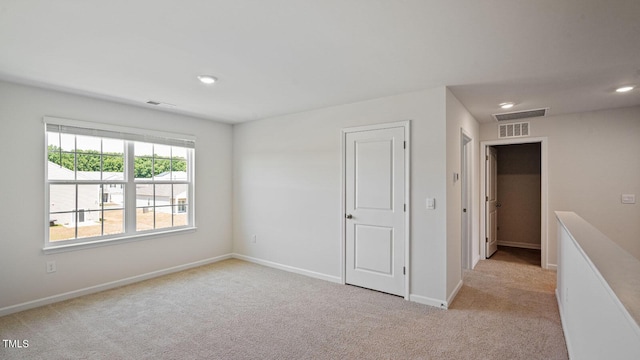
(492, 201)
(375, 214)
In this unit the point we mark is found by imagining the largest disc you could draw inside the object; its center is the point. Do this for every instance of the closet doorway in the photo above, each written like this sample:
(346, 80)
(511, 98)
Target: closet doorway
(514, 193)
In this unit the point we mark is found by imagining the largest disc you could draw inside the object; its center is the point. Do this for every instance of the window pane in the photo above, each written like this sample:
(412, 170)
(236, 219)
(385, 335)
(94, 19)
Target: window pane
(89, 223)
(113, 196)
(88, 166)
(178, 152)
(143, 168)
(112, 167)
(164, 217)
(88, 144)
(163, 195)
(163, 151)
(144, 218)
(60, 168)
(164, 198)
(143, 149)
(89, 197)
(113, 147)
(180, 193)
(180, 215)
(113, 222)
(179, 170)
(54, 157)
(68, 142)
(58, 231)
(144, 195)
(162, 169)
(62, 198)
(53, 140)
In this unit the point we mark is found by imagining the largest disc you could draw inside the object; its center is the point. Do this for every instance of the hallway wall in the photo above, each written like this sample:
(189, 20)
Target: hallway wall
(593, 160)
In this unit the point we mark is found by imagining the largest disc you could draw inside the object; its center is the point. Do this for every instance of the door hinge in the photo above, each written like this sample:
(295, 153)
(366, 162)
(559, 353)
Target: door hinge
(404, 270)
(404, 145)
(486, 198)
(487, 157)
(486, 239)
(405, 207)
(464, 210)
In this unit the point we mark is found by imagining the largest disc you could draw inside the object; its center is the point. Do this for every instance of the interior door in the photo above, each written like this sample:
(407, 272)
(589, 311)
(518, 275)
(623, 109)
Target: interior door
(491, 202)
(375, 209)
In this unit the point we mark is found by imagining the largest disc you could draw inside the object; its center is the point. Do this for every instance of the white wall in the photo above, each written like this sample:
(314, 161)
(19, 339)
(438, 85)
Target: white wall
(458, 119)
(287, 180)
(22, 262)
(593, 159)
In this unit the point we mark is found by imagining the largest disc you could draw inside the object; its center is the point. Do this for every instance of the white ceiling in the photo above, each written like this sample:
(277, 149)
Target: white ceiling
(275, 57)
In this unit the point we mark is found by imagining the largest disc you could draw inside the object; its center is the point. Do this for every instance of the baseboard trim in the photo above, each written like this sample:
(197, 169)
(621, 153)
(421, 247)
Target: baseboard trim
(428, 301)
(454, 293)
(476, 260)
(271, 264)
(552, 267)
(106, 286)
(519, 245)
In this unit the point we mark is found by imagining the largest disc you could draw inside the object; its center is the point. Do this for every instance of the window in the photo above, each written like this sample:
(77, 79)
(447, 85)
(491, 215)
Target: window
(107, 183)
(161, 182)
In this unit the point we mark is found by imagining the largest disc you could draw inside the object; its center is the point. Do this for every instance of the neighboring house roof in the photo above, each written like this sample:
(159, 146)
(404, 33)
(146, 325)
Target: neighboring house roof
(95, 175)
(59, 172)
(177, 175)
(162, 190)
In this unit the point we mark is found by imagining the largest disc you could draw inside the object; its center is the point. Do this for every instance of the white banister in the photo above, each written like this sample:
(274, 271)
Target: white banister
(598, 292)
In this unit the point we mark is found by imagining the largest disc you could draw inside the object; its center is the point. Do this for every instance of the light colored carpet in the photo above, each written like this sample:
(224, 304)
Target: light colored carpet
(238, 310)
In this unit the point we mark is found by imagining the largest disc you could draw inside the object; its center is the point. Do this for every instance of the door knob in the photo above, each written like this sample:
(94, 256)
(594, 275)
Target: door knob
(498, 204)
(349, 216)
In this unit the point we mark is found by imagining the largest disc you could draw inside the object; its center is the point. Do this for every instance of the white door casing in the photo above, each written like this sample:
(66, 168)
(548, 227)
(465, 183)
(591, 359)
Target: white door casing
(544, 193)
(491, 202)
(375, 211)
(466, 185)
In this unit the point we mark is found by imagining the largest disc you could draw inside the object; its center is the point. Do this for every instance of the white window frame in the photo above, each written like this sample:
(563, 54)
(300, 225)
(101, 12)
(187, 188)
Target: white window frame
(130, 136)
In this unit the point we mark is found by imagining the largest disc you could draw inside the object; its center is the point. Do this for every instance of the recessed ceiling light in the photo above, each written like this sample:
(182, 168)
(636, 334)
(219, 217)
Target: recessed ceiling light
(207, 79)
(506, 105)
(625, 89)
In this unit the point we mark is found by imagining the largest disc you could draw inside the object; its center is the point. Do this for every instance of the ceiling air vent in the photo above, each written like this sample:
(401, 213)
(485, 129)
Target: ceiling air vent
(161, 104)
(517, 115)
(513, 130)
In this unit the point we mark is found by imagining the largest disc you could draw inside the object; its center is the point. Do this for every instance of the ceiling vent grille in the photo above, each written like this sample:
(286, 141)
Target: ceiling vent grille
(512, 130)
(160, 104)
(517, 115)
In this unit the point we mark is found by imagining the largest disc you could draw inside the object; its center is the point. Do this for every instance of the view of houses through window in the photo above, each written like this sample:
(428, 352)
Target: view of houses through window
(157, 202)
(88, 185)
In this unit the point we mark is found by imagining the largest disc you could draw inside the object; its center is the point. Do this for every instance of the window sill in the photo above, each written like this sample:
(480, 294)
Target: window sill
(53, 249)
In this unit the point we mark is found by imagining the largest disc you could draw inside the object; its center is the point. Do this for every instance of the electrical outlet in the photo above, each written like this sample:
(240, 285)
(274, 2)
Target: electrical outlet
(628, 198)
(253, 239)
(51, 267)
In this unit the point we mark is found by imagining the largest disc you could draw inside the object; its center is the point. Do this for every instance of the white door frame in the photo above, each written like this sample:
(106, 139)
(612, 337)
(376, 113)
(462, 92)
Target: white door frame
(407, 159)
(466, 167)
(544, 191)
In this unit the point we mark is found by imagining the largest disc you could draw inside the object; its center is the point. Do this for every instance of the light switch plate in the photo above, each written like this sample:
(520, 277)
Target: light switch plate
(628, 198)
(431, 203)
